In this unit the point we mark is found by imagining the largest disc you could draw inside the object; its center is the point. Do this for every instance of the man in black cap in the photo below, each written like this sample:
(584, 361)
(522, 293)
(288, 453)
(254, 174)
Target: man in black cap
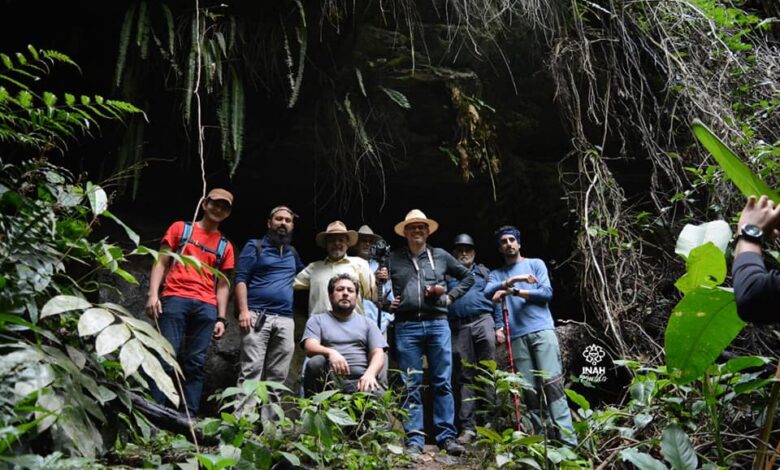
(474, 321)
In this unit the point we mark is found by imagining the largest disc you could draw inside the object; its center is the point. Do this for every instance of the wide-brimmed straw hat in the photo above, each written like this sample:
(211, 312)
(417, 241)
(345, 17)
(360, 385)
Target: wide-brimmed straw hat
(336, 228)
(416, 216)
(365, 232)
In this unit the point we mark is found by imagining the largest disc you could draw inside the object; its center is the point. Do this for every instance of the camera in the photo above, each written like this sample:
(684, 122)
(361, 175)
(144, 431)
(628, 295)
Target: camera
(380, 251)
(434, 291)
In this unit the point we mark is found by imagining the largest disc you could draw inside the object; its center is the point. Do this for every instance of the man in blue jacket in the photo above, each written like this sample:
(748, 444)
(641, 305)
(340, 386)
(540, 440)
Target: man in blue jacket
(525, 286)
(474, 321)
(264, 300)
(417, 272)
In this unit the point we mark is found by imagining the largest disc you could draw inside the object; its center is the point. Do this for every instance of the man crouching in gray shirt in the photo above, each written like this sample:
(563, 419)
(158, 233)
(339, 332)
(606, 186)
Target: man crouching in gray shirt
(342, 345)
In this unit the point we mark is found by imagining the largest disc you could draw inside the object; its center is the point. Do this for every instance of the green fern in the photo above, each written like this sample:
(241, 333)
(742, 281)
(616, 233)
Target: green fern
(46, 119)
(124, 43)
(230, 112)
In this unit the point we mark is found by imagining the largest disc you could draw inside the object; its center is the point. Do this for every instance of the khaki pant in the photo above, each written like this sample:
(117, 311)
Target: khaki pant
(266, 354)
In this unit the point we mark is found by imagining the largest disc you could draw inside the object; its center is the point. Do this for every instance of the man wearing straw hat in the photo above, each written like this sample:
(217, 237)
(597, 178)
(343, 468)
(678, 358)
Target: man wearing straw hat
(336, 239)
(365, 248)
(417, 272)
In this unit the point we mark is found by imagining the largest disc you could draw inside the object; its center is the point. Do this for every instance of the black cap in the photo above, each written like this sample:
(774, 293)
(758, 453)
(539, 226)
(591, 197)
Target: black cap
(463, 239)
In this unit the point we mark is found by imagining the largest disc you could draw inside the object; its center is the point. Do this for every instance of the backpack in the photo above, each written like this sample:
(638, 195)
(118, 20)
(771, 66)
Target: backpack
(219, 252)
(258, 249)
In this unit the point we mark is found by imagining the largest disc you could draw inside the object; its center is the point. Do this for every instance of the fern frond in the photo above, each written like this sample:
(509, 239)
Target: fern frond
(9, 64)
(33, 52)
(124, 43)
(56, 56)
(124, 106)
(170, 31)
(189, 84)
(142, 31)
(237, 121)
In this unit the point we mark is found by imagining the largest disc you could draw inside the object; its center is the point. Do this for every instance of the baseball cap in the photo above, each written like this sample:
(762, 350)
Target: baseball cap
(217, 194)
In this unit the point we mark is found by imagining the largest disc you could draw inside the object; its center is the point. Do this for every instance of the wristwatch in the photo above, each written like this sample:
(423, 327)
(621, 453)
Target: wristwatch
(752, 233)
(222, 320)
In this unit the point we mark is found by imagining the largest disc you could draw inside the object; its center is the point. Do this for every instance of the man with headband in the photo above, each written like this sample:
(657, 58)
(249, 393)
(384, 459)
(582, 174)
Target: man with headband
(525, 286)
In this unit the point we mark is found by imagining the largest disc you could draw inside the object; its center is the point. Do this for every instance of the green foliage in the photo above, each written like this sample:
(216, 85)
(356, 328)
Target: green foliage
(747, 181)
(329, 430)
(706, 266)
(44, 119)
(56, 375)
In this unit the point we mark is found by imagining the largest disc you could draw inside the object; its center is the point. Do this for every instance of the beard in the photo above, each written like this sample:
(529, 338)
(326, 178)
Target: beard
(343, 308)
(280, 236)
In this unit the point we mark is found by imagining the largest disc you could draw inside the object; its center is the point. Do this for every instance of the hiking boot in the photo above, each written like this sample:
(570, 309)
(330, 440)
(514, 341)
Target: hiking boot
(414, 450)
(466, 437)
(452, 447)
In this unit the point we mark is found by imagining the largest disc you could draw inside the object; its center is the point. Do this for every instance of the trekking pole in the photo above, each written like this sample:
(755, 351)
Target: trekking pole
(505, 312)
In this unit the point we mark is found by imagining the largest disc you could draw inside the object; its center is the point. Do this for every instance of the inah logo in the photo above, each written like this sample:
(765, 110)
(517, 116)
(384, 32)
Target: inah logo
(594, 354)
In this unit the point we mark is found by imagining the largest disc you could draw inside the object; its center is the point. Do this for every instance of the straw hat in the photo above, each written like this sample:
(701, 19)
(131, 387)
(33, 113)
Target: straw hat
(365, 232)
(336, 228)
(416, 216)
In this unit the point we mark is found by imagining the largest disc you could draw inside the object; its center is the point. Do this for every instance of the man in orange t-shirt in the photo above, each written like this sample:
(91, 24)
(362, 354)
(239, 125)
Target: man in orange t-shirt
(194, 303)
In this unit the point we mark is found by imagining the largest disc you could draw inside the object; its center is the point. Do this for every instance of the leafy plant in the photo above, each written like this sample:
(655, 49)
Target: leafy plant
(45, 119)
(328, 430)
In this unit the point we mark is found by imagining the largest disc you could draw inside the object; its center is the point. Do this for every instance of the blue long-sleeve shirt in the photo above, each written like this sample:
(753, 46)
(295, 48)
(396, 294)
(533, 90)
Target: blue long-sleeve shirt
(530, 315)
(269, 276)
(474, 302)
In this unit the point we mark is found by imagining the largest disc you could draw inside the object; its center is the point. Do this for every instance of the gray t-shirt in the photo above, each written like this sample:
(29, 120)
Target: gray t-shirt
(353, 338)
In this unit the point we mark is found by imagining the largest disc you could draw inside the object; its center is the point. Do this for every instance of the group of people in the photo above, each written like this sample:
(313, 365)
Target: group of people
(443, 306)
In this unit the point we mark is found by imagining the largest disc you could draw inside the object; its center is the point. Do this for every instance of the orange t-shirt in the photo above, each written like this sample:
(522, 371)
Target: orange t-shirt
(186, 281)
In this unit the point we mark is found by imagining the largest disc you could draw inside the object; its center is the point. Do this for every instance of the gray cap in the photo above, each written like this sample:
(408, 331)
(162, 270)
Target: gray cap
(463, 239)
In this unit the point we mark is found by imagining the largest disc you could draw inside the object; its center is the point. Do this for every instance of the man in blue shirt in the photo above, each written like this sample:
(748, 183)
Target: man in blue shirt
(473, 321)
(264, 298)
(525, 286)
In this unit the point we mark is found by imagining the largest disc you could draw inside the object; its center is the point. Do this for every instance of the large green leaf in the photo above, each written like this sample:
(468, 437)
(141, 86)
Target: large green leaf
(340, 417)
(700, 327)
(706, 266)
(738, 172)
(131, 356)
(677, 449)
(98, 200)
(94, 320)
(151, 365)
(130, 233)
(111, 338)
(718, 232)
(63, 303)
(641, 460)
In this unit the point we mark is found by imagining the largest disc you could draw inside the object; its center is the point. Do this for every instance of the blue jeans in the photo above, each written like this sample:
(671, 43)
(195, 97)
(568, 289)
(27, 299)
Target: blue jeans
(188, 325)
(432, 338)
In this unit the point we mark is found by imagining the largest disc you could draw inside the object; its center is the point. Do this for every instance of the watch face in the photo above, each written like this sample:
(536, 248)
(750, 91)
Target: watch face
(752, 231)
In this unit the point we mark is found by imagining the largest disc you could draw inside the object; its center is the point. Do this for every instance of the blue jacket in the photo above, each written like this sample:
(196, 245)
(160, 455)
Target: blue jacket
(269, 276)
(474, 302)
(531, 315)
